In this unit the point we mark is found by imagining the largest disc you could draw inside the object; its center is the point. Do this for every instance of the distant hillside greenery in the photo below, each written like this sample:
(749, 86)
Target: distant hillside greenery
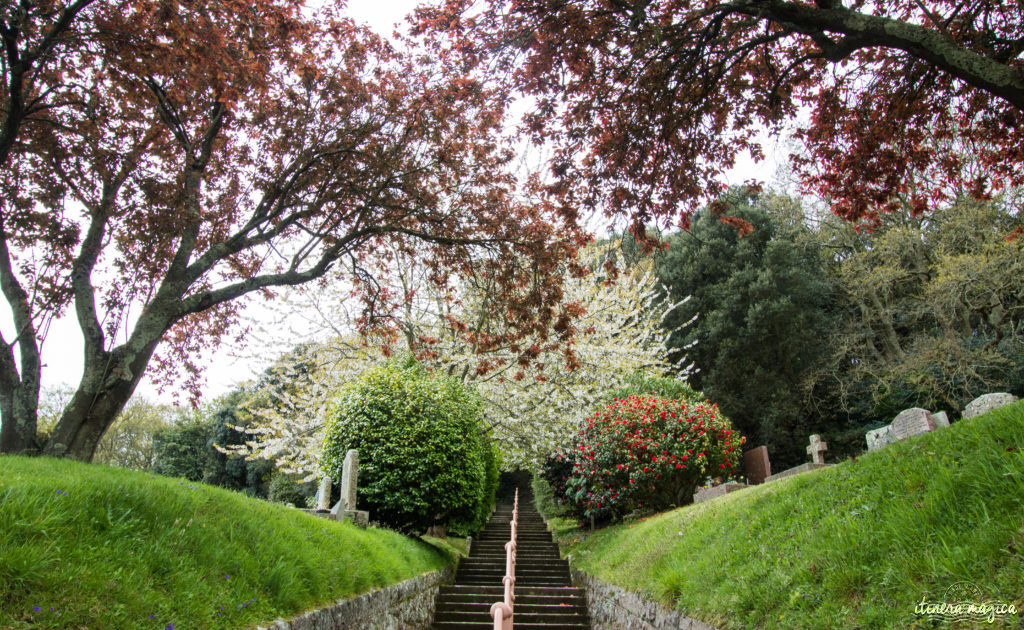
(937, 517)
(87, 546)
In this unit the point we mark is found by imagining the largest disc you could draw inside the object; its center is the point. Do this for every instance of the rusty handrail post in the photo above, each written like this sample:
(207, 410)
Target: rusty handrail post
(501, 611)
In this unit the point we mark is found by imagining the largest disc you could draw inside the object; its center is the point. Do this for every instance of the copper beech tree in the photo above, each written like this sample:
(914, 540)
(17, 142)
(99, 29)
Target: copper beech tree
(648, 101)
(163, 159)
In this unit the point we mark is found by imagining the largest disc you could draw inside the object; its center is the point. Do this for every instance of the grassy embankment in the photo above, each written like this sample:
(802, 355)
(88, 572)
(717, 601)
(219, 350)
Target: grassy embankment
(90, 546)
(939, 517)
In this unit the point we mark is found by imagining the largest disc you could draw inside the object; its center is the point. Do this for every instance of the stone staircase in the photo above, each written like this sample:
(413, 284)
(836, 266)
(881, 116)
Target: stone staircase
(544, 596)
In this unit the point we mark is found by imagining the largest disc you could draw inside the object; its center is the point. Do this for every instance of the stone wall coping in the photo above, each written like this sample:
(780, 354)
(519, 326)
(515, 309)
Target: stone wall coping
(615, 608)
(407, 605)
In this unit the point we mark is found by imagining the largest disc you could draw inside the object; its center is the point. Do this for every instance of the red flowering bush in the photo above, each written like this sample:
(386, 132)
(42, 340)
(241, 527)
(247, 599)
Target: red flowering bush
(645, 452)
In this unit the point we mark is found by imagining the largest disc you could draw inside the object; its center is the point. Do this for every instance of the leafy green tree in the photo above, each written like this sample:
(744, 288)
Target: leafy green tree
(668, 388)
(762, 302)
(422, 449)
(181, 450)
(932, 310)
(129, 442)
(198, 448)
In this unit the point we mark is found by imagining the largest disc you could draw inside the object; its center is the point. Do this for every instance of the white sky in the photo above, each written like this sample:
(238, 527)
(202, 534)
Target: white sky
(62, 351)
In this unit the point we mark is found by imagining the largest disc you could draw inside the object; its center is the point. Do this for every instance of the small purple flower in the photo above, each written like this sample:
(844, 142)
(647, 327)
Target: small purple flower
(151, 616)
(170, 626)
(227, 577)
(36, 609)
(51, 608)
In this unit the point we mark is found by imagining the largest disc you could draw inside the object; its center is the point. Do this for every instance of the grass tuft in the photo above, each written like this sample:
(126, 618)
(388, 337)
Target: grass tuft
(91, 546)
(937, 517)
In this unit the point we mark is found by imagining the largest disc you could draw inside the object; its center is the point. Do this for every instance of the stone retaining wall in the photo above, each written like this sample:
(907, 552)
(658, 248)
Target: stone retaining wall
(615, 608)
(408, 605)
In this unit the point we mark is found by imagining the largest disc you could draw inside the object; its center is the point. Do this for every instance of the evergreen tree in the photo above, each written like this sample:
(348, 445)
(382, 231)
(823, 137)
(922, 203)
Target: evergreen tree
(762, 302)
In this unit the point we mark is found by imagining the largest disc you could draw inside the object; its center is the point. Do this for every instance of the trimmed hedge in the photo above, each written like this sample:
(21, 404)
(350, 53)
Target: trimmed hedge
(424, 457)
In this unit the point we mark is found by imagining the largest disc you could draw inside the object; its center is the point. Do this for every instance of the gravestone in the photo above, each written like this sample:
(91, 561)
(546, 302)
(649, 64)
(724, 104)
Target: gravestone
(756, 463)
(986, 403)
(911, 422)
(345, 508)
(349, 477)
(878, 438)
(323, 496)
(720, 490)
(941, 419)
(816, 448)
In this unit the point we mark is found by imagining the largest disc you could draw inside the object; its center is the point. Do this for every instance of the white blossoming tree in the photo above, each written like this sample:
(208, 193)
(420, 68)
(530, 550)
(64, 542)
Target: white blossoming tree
(532, 406)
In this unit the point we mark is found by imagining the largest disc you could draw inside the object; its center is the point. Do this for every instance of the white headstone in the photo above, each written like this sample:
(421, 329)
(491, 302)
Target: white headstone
(941, 419)
(879, 437)
(911, 422)
(986, 403)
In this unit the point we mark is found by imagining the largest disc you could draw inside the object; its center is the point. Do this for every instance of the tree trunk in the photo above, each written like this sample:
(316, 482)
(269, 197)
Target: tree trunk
(108, 382)
(18, 417)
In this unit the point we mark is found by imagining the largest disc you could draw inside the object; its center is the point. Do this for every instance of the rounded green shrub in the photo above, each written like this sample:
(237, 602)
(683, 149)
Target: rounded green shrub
(658, 386)
(648, 453)
(424, 457)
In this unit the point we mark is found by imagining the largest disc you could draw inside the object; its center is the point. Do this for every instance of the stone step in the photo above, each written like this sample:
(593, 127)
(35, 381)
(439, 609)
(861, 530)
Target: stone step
(518, 617)
(519, 583)
(474, 602)
(521, 562)
(489, 625)
(520, 558)
(468, 601)
(545, 598)
(521, 576)
(499, 590)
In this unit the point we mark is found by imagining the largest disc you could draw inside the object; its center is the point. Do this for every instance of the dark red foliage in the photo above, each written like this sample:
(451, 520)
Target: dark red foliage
(899, 103)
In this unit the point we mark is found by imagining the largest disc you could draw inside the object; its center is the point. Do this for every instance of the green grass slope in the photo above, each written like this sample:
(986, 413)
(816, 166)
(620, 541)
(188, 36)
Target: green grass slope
(84, 546)
(939, 517)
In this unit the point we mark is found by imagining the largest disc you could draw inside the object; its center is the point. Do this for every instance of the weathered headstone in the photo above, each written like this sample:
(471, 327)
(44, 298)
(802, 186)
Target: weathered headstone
(941, 419)
(911, 422)
(755, 462)
(323, 496)
(816, 448)
(986, 403)
(349, 477)
(345, 508)
(717, 491)
(878, 438)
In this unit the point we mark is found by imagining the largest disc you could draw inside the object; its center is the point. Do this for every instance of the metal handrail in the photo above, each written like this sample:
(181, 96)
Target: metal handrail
(501, 611)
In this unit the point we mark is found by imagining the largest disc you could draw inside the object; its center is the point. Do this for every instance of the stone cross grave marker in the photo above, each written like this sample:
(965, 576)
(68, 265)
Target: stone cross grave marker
(756, 463)
(816, 448)
(323, 496)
